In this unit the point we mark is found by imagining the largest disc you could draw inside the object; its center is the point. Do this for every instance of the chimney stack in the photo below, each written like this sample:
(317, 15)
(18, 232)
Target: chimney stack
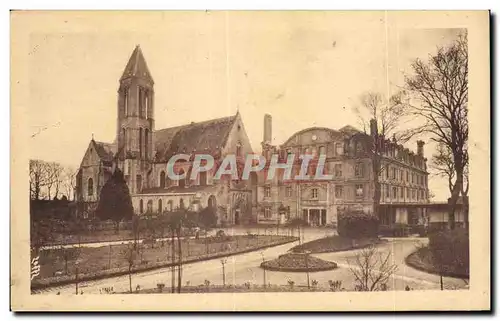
(373, 128)
(420, 148)
(268, 128)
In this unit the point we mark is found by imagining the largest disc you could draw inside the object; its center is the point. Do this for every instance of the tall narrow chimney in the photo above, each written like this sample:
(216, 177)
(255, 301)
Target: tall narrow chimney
(420, 148)
(268, 128)
(373, 127)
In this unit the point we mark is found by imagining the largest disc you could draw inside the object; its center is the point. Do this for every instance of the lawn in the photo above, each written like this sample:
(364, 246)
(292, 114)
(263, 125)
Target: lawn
(334, 244)
(103, 236)
(58, 266)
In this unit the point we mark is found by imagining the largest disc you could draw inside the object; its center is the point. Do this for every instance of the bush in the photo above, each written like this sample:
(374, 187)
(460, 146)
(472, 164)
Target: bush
(450, 250)
(357, 225)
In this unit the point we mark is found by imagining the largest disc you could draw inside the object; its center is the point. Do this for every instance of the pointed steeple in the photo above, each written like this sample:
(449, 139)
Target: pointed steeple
(136, 66)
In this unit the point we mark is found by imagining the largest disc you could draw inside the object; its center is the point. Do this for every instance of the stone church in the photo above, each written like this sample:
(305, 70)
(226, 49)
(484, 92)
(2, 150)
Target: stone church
(141, 152)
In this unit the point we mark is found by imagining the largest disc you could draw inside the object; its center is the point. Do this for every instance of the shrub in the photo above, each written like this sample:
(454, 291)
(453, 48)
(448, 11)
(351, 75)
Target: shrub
(450, 250)
(357, 225)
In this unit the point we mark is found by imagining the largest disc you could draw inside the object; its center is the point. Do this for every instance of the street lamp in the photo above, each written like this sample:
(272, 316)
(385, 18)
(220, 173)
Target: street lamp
(223, 262)
(76, 276)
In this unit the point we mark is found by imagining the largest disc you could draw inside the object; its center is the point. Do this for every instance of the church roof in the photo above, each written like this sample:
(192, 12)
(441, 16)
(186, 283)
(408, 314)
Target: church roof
(136, 66)
(207, 136)
(104, 150)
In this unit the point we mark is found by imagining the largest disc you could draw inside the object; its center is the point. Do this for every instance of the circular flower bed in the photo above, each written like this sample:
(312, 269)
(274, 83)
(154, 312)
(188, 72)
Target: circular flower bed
(298, 262)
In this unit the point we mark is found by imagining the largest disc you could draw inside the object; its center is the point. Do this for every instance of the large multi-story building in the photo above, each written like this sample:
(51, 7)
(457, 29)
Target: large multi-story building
(403, 178)
(141, 152)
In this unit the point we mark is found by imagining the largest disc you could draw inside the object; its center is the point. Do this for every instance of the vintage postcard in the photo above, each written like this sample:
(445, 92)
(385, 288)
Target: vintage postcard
(250, 160)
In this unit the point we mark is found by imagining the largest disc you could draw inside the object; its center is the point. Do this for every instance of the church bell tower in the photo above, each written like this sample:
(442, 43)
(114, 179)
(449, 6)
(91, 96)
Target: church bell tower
(135, 121)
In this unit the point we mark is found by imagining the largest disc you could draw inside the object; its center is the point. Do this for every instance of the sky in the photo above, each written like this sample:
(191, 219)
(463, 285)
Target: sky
(304, 68)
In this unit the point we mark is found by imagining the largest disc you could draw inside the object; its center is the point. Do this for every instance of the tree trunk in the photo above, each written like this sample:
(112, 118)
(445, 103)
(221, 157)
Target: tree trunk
(179, 268)
(454, 199)
(466, 211)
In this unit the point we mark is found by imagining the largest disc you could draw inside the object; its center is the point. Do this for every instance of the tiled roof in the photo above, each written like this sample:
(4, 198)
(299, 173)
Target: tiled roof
(204, 137)
(136, 66)
(105, 151)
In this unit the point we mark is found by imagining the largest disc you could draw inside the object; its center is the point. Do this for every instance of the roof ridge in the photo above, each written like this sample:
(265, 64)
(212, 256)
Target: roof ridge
(198, 123)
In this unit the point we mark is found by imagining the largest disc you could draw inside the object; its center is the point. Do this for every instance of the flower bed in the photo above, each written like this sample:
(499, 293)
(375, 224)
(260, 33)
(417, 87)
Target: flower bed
(298, 262)
(334, 244)
(422, 261)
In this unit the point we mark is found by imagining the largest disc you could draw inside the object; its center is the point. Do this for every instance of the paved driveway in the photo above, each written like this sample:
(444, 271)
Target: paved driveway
(245, 268)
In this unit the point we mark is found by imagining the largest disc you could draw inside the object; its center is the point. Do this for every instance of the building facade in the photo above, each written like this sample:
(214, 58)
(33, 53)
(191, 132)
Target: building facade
(141, 152)
(403, 179)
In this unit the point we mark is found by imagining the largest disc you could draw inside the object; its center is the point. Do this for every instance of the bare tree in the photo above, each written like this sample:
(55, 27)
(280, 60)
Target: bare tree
(380, 119)
(130, 255)
(69, 181)
(442, 164)
(38, 177)
(439, 89)
(371, 269)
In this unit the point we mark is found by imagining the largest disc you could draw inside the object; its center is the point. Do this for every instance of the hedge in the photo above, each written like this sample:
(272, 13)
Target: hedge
(357, 225)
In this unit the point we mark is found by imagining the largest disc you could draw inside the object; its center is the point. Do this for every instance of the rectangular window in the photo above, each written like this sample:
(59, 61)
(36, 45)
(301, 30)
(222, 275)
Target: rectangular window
(288, 191)
(359, 190)
(314, 193)
(358, 170)
(393, 173)
(267, 191)
(407, 193)
(387, 172)
(407, 176)
(401, 175)
(267, 212)
(338, 191)
(402, 193)
(339, 150)
(387, 194)
(394, 192)
(413, 196)
(338, 170)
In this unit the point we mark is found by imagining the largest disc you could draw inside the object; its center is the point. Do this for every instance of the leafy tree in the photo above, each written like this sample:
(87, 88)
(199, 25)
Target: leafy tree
(207, 217)
(114, 201)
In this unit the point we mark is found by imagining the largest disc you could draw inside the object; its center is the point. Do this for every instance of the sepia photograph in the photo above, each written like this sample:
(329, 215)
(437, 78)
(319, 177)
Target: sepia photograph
(260, 159)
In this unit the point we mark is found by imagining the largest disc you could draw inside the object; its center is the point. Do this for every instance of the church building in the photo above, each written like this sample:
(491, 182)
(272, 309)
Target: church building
(141, 152)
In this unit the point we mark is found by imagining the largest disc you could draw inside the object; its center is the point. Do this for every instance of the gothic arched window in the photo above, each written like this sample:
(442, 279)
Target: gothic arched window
(90, 186)
(141, 206)
(146, 143)
(182, 181)
(140, 143)
(160, 206)
(181, 204)
(162, 179)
